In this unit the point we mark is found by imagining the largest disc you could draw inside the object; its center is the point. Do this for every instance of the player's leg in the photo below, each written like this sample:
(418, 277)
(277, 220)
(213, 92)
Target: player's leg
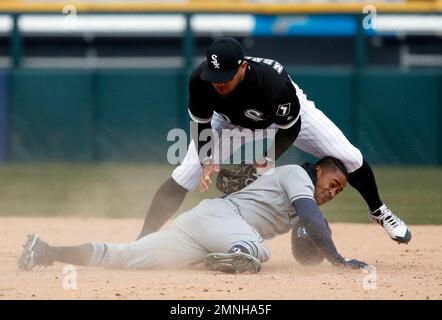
(185, 177)
(234, 245)
(170, 248)
(165, 203)
(170, 195)
(240, 249)
(37, 252)
(320, 137)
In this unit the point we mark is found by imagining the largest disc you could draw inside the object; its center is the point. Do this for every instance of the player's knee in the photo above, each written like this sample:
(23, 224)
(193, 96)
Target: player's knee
(352, 159)
(257, 250)
(263, 253)
(188, 177)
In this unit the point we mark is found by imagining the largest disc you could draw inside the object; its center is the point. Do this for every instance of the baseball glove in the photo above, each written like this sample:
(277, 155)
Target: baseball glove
(230, 180)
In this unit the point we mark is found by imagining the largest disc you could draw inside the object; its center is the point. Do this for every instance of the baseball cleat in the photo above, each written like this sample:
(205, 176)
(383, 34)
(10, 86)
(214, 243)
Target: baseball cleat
(237, 262)
(395, 227)
(35, 253)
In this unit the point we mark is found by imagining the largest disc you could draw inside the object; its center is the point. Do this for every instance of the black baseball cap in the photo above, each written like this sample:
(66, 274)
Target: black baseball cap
(224, 56)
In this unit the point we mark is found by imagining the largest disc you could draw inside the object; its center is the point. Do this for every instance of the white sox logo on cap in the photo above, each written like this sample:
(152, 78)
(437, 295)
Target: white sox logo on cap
(215, 62)
(223, 58)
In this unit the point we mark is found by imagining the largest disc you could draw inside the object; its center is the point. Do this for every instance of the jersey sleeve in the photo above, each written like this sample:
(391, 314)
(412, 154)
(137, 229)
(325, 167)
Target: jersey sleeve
(285, 106)
(316, 226)
(297, 184)
(199, 110)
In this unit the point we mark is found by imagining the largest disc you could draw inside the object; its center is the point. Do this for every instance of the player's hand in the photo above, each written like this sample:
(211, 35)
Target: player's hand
(263, 165)
(355, 264)
(205, 179)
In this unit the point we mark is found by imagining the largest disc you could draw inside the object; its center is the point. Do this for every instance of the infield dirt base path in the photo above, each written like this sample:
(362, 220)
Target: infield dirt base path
(403, 272)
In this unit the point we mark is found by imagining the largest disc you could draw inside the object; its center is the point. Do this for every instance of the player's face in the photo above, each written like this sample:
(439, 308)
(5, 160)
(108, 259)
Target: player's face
(227, 87)
(328, 184)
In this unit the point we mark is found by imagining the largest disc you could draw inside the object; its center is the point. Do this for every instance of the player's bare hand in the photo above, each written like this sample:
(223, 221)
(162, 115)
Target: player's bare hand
(264, 165)
(205, 179)
(355, 264)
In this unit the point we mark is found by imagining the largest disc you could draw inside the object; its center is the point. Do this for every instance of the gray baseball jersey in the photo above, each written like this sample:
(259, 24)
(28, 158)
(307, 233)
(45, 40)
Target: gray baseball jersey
(266, 204)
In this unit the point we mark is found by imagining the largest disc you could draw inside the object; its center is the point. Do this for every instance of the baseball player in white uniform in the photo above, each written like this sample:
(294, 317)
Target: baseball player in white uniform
(232, 92)
(227, 233)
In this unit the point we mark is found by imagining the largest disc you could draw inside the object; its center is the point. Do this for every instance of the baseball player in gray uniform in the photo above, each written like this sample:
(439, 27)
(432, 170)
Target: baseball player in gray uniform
(230, 92)
(227, 233)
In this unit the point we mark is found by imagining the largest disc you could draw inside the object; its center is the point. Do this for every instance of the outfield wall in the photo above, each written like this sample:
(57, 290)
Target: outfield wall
(393, 116)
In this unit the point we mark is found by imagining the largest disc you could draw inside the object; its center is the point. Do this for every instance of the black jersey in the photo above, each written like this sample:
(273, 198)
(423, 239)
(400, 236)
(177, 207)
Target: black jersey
(265, 96)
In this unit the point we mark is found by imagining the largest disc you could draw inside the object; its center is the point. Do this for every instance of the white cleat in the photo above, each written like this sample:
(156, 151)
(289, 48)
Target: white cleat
(395, 227)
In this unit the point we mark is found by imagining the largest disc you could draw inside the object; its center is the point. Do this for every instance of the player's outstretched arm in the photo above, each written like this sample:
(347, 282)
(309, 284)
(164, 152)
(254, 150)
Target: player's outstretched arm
(316, 226)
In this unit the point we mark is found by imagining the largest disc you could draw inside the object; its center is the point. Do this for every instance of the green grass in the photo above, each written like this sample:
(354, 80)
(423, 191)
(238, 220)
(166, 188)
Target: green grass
(413, 193)
(125, 190)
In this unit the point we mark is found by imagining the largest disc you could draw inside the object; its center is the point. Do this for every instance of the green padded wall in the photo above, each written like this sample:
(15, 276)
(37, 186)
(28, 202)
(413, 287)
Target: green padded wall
(125, 115)
(136, 109)
(51, 115)
(398, 117)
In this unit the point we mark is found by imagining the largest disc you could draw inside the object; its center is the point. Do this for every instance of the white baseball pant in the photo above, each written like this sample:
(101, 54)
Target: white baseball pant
(212, 226)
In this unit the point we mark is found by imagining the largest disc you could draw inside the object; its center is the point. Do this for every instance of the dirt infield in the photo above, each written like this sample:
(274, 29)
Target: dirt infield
(403, 272)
